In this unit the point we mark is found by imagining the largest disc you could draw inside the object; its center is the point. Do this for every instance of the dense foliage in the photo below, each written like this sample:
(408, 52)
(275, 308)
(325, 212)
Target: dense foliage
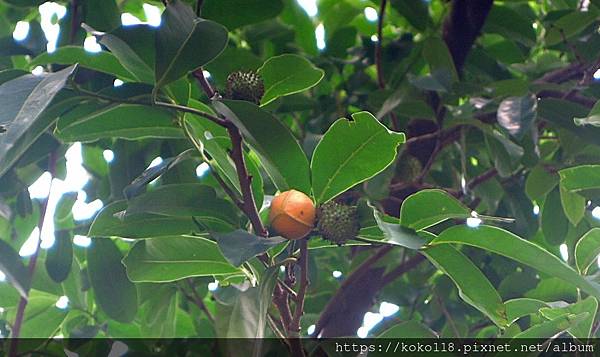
(459, 138)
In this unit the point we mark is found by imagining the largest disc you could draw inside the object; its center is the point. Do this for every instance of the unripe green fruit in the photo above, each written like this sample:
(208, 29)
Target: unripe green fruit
(247, 86)
(337, 222)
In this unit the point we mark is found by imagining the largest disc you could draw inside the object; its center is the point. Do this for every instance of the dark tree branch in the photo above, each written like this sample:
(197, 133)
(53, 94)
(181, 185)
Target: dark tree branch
(20, 315)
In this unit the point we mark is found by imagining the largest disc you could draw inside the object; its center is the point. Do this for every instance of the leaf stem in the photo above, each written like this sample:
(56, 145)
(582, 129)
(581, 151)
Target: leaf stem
(20, 315)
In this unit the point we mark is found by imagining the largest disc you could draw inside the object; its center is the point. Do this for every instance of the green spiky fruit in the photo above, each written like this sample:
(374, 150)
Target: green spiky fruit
(338, 222)
(247, 86)
(408, 167)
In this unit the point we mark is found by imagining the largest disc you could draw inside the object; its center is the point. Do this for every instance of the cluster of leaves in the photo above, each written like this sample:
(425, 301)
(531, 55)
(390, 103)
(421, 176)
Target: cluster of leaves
(504, 128)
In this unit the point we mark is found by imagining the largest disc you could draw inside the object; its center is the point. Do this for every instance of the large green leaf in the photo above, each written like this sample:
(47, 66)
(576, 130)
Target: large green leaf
(473, 286)
(352, 151)
(569, 26)
(103, 61)
(60, 257)
(134, 47)
(516, 114)
(573, 204)
(287, 74)
(502, 242)
(280, 153)
(555, 224)
(437, 55)
(509, 23)
(158, 311)
(114, 293)
(408, 329)
(42, 318)
(174, 258)
(188, 199)
(239, 246)
(583, 329)
(539, 183)
(587, 250)
(93, 121)
(430, 207)
(185, 42)
(111, 222)
(14, 269)
(23, 101)
(580, 178)
(237, 13)
(520, 307)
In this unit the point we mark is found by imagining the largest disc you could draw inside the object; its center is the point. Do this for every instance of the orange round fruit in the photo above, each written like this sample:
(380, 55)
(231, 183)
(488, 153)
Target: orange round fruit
(292, 214)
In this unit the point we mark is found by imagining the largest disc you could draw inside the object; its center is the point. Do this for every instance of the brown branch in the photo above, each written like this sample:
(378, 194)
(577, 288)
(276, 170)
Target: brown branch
(295, 327)
(20, 315)
(198, 301)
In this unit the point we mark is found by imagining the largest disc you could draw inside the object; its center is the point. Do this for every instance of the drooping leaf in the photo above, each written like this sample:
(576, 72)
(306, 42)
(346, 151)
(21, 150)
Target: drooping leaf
(497, 240)
(239, 246)
(111, 222)
(188, 199)
(133, 46)
(185, 42)
(24, 100)
(174, 258)
(287, 74)
(60, 257)
(430, 207)
(587, 250)
(103, 61)
(395, 233)
(114, 293)
(14, 269)
(573, 204)
(473, 286)
(350, 152)
(516, 114)
(280, 153)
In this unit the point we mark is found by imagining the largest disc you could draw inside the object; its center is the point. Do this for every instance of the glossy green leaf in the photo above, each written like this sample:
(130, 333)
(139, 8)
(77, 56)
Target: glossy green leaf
(185, 42)
(288, 74)
(112, 222)
(114, 293)
(133, 46)
(174, 258)
(429, 207)
(408, 329)
(93, 121)
(24, 100)
(473, 286)
(520, 307)
(583, 329)
(14, 269)
(517, 114)
(539, 183)
(189, 199)
(103, 61)
(280, 153)
(239, 246)
(580, 178)
(555, 224)
(350, 152)
(552, 328)
(587, 250)
(497, 240)
(573, 205)
(237, 13)
(60, 257)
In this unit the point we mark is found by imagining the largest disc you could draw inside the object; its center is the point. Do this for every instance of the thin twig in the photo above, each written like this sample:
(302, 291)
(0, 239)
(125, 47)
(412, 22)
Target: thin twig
(295, 328)
(16, 329)
(198, 301)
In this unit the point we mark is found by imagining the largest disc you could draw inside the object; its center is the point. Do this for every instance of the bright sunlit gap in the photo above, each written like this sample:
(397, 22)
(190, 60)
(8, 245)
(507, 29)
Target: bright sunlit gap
(596, 212)
(37, 71)
(2, 278)
(213, 286)
(50, 14)
(597, 74)
(337, 274)
(320, 36)
(310, 6)
(108, 155)
(62, 302)
(202, 169)
(21, 31)
(152, 16)
(82, 241)
(371, 14)
(91, 45)
(536, 209)
(564, 252)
